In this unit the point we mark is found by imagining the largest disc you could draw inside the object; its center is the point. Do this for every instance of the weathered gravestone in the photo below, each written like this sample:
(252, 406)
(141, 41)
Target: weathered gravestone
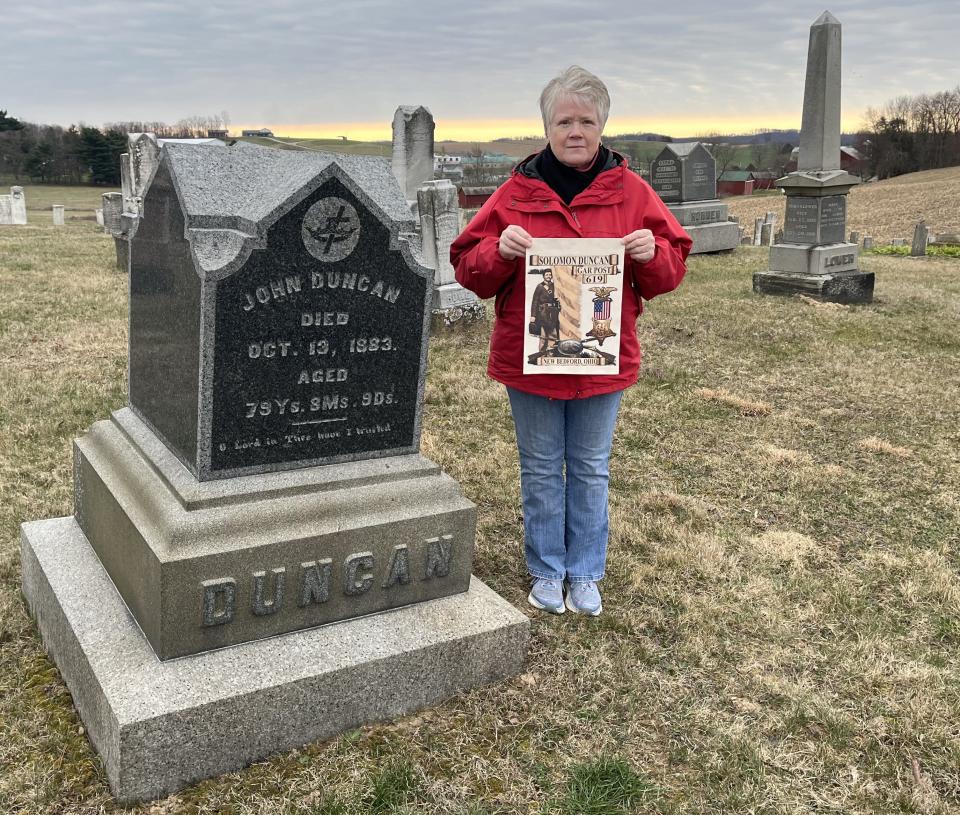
(137, 167)
(18, 207)
(439, 225)
(684, 176)
(412, 156)
(58, 217)
(112, 204)
(264, 480)
(814, 259)
(918, 246)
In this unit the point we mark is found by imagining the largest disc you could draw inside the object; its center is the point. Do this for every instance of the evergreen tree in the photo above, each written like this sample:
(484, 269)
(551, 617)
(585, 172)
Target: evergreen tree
(9, 123)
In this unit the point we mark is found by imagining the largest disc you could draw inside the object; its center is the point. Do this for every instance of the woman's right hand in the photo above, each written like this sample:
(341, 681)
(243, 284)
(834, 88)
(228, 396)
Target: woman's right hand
(514, 242)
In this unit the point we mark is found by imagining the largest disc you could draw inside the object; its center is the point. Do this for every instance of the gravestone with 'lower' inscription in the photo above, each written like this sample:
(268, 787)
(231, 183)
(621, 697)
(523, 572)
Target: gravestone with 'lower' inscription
(264, 489)
(813, 257)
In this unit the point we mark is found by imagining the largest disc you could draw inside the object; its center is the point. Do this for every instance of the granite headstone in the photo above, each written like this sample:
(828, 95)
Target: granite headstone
(265, 480)
(684, 176)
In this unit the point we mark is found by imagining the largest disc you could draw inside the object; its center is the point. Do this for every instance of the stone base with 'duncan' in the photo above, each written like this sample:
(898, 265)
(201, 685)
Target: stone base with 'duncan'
(259, 555)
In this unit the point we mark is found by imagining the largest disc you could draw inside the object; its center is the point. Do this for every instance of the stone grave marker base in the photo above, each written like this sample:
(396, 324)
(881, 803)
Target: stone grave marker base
(851, 287)
(706, 223)
(192, 558)
(718, 237)
(160, 726)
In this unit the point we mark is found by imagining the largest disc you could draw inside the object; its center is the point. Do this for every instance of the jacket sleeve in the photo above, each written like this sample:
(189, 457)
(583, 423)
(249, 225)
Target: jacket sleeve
(664, 271)
(475, 253)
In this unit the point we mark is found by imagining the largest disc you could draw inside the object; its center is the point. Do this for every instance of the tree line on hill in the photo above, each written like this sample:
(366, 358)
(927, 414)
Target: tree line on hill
(51, 154)
(904, 135)
(911, 133)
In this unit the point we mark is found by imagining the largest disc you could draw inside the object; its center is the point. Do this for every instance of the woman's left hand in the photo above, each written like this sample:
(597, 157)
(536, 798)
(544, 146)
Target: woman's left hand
(640, 245)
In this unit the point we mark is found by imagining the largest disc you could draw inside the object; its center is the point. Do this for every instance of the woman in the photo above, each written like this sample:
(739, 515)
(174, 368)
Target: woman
(574, 188)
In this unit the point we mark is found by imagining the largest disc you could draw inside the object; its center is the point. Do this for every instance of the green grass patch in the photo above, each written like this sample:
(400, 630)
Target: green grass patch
(607, 786)
(935, 250)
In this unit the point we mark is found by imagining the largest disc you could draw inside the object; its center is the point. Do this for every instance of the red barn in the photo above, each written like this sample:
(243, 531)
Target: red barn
(474, 197)
(735, 182)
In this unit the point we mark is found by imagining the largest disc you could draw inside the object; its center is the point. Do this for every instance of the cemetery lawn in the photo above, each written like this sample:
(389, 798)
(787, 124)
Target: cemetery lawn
(781, 626)
(884, 209)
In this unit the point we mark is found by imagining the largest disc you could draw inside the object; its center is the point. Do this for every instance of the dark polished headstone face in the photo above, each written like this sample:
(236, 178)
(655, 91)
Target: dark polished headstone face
(684, 172)
(666, 177)
(318, 341)
(699, 175)
(815, 220)
(282, 330)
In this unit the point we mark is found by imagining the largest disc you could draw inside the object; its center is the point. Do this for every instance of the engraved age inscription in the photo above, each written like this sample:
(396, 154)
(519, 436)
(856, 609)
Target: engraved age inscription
(318, 341)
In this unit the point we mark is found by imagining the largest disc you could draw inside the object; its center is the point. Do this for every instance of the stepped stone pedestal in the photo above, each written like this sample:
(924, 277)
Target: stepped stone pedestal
(259, 555)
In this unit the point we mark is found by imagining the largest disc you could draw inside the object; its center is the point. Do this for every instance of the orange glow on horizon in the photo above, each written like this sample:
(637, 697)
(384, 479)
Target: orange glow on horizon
(485, 130)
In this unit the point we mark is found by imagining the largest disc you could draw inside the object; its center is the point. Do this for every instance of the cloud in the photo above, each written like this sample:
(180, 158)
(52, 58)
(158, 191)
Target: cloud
(299, 61)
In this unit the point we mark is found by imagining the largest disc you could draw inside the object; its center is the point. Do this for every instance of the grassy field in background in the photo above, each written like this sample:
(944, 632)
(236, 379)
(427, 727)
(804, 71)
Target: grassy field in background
(781, 627)
(884, 209)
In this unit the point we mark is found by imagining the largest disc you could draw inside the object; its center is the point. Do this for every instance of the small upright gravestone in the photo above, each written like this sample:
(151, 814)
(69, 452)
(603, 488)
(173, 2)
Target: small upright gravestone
(112, 204)
(814, 259)
(265, 481)
(918, 247)
(18, 207)
(684, 176)
(58, 210)
(439, 225)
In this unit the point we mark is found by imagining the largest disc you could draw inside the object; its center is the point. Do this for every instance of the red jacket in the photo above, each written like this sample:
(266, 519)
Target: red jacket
(615, 204)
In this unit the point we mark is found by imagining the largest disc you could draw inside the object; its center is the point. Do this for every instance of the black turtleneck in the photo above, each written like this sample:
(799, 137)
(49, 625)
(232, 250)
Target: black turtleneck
(568, 182)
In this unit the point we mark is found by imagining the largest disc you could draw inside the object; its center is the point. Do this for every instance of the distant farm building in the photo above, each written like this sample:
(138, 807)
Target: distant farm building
(218, 134)
(474, 197)
(851, 160)
(441, 160)
(263, 133)
(764, 179)
(735, 182)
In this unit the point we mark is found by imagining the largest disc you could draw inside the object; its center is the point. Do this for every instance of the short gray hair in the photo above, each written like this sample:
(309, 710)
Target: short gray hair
(582, 86)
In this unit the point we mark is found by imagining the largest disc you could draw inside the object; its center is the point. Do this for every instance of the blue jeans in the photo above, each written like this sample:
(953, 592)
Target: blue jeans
(565, 515)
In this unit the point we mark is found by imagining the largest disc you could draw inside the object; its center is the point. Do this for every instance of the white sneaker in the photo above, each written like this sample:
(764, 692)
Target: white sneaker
(584, 598)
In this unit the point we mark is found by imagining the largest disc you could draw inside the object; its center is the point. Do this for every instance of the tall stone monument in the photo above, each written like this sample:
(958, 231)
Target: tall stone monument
(684, 175)
(813, 257)
(264, 489)
(413, 129)
(439, 225)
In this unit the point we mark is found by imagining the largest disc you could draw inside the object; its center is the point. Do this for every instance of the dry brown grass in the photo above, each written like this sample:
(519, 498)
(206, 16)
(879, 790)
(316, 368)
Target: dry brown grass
(781, 630)
(747, 407)
(884, 209)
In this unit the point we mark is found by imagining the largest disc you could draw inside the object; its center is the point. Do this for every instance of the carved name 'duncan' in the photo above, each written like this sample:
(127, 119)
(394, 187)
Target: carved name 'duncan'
(359, 573)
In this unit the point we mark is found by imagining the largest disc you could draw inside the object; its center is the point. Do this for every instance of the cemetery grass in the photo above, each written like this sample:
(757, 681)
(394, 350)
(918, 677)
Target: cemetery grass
(79, 201)
(884, 209)
(781, 623)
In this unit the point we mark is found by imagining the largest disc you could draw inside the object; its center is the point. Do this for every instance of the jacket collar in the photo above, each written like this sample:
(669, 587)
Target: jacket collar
(607, 187)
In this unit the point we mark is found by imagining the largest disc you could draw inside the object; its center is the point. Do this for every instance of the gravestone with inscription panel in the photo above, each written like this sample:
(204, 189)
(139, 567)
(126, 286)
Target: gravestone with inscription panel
(264, 488)
(684, 176)
(813, 256)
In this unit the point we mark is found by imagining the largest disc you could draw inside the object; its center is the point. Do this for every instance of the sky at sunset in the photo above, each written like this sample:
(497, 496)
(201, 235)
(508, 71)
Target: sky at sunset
(341, 69)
